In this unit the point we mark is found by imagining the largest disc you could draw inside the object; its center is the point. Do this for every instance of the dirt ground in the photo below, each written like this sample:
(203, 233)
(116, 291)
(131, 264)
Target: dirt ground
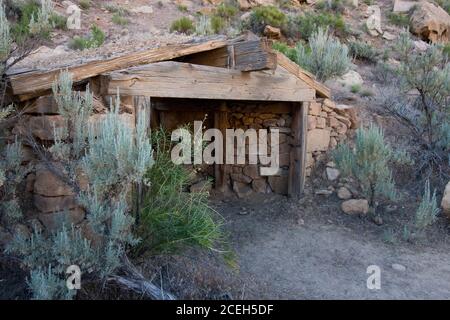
(298, 250)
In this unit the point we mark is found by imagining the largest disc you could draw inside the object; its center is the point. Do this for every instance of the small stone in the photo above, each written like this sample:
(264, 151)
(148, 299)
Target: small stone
(398, 267)
(272, 32)
(445, 203)
(355, 206)
(323, 192)
(332, 174)
(343, 193)
(377, 220)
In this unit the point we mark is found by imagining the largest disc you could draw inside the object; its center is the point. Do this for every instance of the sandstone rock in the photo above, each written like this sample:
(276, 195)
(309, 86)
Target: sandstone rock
(421, 45)
(398, 267)
(403, 6)
(252, 171)
(332, 174)
(201, 186)
(43, 105)
(242, 190)
(389, 36)
(41, 127)
(431, 22)
(343, 193)
(259, 185)
(143, 9)
(445, 203)
(272, 32)
(54, 204)
(55, 220)
(309, 160)
(49, 184)
(279, 184)
(318, 140)
(355, 206)
(248, 4)
(311, 122)
(314, 109)
(373, 23)
(350, 79)
(239, 177)
(321, 123)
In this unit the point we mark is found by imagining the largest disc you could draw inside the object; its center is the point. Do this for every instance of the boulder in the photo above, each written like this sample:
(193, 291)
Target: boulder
(431, 22)
(403, 6)
(54, 204)
(259, 185)
(279, 184)
(272, 32)
(243, 190)
(201, 186)
(239, 177)
(251, 171)
(445, 203)
(355, 206)
(332, 174)
(343, 193)
(41, 127)
(351, 78)
(318, 140)
(248, 4)
(373, 23)
(55, 220)
(50, 185)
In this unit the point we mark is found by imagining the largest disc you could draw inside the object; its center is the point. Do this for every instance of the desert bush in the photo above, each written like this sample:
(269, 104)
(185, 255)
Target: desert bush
(368, 162)
(398, 19)
(362, 50)
(99, 149)
(332, 5)
(308, 23)
(94, 40)
(172, 218)
(203, 26)
(285, 49)
(266, 15)
(426, 213)
(227, 10)
(183, 25)
(119, 19)
(324, 56)
(85, 4)
(426, 114)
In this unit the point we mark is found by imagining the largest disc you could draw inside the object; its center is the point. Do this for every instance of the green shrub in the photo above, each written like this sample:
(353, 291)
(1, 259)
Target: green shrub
(226, 11)
(183, 25)
(362, 50)
(266, 15)
(94, 40)
(99, 149)
(428, 209)
(119, 19)
(172, 218)
(285, 49)
(428, 114)
(85, 4)
(217, 24)
(332, 5)
(368, 163)
(355, 88)
(446, 50)
(398, 19)
(182, 8)
(308, 23)
(324, 56)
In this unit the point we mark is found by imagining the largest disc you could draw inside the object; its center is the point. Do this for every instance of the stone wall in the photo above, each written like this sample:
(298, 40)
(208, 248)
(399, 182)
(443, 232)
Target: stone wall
(53, 200)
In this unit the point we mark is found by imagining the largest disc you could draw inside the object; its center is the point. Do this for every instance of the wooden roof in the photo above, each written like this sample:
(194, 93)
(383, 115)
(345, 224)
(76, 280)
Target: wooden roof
(228, 58)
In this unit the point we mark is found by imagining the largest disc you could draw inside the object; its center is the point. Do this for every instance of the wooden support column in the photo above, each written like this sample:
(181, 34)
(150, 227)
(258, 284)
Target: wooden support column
(142, 108)
(297, 168)
(221, 123)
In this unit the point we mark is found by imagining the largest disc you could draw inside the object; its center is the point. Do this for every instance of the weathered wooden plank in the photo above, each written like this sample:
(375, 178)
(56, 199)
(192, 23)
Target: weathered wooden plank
(182, 80)
(297, 167)
(251, 55)
(292, 67)
(31, 84)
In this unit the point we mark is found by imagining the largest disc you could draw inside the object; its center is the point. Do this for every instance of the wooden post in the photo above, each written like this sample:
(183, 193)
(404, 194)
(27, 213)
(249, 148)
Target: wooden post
(142, 107)
(297, 168)
(220, 122)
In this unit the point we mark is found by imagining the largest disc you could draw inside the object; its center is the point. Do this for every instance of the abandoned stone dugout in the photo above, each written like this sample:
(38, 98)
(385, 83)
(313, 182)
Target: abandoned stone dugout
(231, 84)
